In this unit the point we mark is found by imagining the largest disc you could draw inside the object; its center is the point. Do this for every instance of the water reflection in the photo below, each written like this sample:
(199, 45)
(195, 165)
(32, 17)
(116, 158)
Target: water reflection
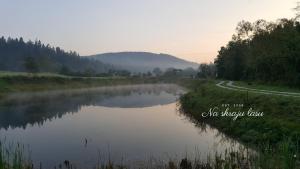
(124, 124)
(19, 110)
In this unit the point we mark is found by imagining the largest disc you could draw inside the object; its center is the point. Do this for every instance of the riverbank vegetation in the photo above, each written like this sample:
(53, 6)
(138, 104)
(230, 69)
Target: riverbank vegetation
(31, 82)
(279, 126)
(280, 114)
(14, 156)
(26, 82)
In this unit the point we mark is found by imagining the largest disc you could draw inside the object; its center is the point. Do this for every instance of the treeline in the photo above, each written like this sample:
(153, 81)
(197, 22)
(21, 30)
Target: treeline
(262, 51)
(17, 55)
(169, 73)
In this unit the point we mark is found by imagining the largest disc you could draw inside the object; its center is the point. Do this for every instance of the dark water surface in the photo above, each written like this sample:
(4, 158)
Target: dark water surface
(123, 123)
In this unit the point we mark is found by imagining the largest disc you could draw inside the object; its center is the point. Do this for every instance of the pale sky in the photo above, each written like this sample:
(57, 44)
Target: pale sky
(190, 29)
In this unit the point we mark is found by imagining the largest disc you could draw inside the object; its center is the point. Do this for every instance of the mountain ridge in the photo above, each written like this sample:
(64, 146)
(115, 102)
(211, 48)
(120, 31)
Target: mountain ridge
(143, 61)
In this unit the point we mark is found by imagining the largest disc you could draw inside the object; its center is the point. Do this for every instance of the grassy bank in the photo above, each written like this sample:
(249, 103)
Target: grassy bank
(20, 82)
(276, 132)
(280, 120)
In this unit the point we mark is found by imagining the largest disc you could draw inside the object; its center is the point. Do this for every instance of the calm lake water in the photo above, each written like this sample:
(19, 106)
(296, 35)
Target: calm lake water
(127, 124)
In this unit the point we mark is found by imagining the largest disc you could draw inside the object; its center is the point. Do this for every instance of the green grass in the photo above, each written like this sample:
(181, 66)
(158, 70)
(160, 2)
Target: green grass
(281, 114)
(9, 74)
(28, 82)
(277, 132)
(21, 82)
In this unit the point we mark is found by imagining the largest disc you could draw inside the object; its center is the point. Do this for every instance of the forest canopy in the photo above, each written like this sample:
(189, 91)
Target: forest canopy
(262, 51)
(17, 55)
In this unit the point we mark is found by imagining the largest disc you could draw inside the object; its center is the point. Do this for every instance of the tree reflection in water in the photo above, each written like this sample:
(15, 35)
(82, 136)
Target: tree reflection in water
(22, 109)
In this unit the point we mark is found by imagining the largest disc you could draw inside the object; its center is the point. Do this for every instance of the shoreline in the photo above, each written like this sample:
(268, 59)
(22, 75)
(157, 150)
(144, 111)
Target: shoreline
(201, 95)
(277, 120)
(24, 83)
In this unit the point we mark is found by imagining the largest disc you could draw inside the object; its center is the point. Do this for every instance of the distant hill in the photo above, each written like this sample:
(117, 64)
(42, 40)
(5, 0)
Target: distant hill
(143, 61)
(17, 55)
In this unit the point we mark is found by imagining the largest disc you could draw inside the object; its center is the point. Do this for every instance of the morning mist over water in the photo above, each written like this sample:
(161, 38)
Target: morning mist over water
(141, 84)
(131, 123)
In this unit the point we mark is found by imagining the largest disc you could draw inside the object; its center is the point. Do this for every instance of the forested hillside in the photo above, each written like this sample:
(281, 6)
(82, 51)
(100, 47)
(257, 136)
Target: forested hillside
(262, 51)
(17, 55)
(143, 61)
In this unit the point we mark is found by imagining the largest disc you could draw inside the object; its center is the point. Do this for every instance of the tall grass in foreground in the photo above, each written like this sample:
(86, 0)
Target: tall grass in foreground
(12, 156)
(285, 156)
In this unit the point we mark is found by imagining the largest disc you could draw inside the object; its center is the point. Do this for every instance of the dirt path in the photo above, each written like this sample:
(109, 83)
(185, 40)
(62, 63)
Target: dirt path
(230, 86)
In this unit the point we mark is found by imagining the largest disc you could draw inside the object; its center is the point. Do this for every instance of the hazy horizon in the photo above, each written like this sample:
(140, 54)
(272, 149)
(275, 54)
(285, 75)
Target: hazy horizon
(192, 30)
